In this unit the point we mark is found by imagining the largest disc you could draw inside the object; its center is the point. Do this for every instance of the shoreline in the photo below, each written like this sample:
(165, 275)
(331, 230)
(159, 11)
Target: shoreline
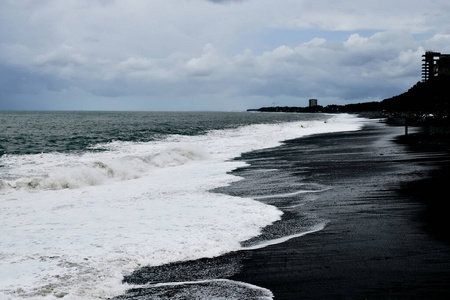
(386, 239)
(378, 243)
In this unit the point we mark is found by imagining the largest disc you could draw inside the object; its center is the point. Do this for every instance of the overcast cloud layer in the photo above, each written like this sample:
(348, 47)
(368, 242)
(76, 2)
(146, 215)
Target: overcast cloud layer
(212, 54)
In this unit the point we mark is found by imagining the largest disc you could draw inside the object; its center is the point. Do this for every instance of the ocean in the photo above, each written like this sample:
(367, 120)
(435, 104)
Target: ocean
(87, 198)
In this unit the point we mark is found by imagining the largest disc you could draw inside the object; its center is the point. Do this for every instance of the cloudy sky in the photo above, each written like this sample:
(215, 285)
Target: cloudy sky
(212, 54)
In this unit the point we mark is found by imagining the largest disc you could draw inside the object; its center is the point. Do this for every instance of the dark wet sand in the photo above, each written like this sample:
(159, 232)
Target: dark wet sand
(388, 232)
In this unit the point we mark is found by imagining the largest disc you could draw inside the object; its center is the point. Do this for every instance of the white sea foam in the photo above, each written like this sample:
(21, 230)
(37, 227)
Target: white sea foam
(208, 289)
(283, 239)
(284, 195)
(74, 224)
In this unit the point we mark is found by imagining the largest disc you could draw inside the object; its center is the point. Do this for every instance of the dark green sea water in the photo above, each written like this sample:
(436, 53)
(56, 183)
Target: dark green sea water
(48, 131)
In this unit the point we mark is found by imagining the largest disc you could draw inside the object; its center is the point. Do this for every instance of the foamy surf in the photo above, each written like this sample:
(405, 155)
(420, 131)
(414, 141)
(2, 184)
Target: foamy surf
(280, 240)
(291, 194)
(75, 223)
(206, 290)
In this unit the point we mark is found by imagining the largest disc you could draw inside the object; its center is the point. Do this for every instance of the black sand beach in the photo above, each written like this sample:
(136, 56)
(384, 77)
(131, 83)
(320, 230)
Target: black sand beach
(387, 233)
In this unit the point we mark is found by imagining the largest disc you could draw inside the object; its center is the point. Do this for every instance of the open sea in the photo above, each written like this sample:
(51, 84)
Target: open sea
(87, 198)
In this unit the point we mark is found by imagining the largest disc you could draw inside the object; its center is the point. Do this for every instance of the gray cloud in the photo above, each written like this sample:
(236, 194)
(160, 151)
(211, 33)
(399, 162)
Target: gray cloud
(170, 55)
(225, 1)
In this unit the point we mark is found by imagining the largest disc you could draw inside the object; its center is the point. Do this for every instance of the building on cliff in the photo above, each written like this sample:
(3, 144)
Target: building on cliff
(435, 65)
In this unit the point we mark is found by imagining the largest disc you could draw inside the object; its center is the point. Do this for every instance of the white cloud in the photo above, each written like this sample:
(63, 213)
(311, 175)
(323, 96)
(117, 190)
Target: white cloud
(210, 63)
(355, 41)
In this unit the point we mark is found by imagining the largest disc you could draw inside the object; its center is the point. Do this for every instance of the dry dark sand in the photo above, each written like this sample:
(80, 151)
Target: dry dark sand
(387, 235)
(388, 232)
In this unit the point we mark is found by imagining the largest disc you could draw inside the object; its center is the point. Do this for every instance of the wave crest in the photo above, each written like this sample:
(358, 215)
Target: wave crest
(55, 171)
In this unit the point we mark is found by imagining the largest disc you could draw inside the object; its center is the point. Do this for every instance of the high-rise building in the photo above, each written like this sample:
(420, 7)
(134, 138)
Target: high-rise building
(435, 64)
(312, 102)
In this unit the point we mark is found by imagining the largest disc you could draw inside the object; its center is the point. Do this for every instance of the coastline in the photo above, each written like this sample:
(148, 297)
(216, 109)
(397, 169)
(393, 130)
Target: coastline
(378, 242)
(385, 238)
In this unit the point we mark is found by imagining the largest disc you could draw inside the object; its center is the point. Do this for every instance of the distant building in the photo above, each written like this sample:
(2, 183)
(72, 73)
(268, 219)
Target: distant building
(435, 64)
(312, 102)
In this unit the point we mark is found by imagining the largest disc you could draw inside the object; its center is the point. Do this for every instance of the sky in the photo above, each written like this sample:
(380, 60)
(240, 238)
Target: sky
(219, 55)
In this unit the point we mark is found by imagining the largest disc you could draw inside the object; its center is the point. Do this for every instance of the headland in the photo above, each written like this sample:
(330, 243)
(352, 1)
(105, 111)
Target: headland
(427, 102)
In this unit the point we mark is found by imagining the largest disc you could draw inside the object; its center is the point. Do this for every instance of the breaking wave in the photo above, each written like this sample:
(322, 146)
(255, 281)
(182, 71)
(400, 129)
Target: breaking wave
(55, 171)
